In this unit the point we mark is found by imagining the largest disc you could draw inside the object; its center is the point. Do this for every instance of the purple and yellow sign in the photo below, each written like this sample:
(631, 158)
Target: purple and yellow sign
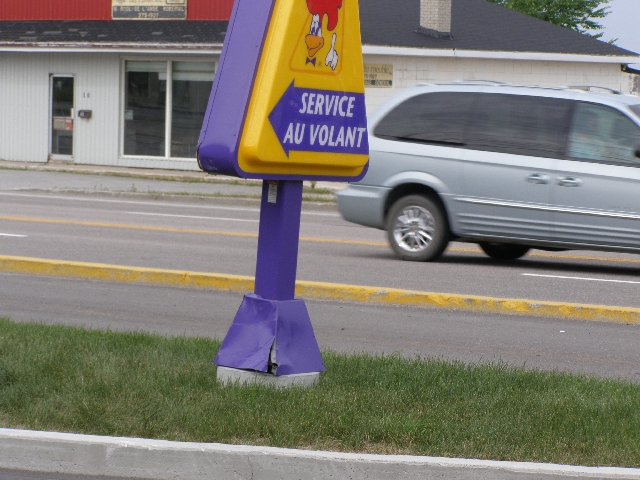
(288, 99)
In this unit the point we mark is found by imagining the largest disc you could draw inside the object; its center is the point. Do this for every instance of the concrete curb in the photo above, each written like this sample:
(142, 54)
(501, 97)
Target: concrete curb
(330, 291)
(160, 459)
(148, 173)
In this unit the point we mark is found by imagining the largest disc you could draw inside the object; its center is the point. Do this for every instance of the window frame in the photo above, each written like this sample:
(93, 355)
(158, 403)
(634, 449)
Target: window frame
(168, 60)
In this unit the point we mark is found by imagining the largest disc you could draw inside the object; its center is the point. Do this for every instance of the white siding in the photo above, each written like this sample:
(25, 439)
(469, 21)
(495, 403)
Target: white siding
(25, 102)
(25, 96)
(24, 110)
(97, 89)
(410, 71)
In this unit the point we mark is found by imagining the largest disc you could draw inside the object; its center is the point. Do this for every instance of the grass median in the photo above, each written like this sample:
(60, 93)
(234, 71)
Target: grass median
(139, 385)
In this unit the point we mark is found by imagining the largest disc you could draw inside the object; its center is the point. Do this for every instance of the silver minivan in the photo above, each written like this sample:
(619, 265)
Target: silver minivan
(508, 167)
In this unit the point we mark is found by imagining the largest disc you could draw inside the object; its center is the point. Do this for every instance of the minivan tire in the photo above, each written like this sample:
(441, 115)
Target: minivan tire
(417, 228)
(504, 251)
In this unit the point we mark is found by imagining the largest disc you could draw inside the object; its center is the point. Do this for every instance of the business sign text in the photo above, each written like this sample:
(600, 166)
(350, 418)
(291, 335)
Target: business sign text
(380, 76)
(149, 9)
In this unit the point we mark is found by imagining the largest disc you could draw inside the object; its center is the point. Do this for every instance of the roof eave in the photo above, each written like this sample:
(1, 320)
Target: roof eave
(105, 47)
(497, 55)
(216, 48)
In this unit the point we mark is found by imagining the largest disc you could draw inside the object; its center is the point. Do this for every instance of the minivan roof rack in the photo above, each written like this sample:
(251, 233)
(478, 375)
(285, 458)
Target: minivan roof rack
(480, 80)
(591, 88)
(472, 81)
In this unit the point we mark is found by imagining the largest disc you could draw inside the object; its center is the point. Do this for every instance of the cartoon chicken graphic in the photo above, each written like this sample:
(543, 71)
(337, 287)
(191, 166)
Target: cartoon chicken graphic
(315, 40)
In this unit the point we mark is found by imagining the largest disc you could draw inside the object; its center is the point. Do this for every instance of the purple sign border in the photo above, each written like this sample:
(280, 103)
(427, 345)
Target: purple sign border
(219, 140)
(232, 87)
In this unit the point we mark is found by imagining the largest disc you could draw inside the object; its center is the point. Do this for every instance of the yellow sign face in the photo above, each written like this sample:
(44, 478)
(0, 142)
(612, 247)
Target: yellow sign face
(307, 115)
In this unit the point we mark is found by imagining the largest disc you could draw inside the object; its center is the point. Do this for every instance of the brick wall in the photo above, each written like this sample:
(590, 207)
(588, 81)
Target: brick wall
(436, 15)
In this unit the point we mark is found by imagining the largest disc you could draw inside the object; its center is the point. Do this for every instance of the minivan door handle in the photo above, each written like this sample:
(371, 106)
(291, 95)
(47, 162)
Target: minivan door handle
(569, 181)
(538, 178)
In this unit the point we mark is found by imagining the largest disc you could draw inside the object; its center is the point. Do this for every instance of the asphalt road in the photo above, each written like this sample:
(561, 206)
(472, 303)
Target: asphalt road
(219, 235)
(598, 348)
(98, 219)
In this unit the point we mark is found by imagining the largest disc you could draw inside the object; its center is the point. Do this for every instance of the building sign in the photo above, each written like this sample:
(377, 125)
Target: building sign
(289, 104)
(149, 9)
(380, 76)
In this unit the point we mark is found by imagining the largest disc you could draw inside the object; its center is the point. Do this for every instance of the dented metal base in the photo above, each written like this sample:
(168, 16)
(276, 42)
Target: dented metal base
(271, 336)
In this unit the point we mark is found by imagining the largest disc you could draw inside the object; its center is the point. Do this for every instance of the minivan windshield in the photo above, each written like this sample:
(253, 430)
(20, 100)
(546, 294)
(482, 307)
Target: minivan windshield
(636, 109)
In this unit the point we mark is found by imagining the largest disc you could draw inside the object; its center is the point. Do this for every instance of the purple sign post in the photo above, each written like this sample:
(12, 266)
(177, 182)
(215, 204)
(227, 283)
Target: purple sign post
(272, 332)
(287, 105)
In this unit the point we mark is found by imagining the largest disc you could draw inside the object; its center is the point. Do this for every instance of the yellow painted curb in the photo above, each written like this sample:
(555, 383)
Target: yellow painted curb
(119, 273)
(330, 291)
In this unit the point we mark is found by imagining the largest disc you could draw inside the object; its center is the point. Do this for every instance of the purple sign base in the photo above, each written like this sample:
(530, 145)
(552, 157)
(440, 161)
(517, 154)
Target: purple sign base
(261, 325)
(272, 331)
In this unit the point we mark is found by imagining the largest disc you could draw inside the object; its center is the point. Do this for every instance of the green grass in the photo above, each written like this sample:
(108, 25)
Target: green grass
(134, 384)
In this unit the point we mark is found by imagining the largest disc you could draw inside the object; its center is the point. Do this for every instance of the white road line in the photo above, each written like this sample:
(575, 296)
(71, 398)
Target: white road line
(155, 204)
(579, 278)
(11, 235)
(193, 216)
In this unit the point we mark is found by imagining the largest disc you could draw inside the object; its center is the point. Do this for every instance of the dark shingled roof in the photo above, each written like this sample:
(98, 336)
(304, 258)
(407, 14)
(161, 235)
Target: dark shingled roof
(475, 25)
(121, 31)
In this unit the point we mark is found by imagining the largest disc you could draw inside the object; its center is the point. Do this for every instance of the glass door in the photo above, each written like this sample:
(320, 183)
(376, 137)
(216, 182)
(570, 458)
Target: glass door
(62, 99)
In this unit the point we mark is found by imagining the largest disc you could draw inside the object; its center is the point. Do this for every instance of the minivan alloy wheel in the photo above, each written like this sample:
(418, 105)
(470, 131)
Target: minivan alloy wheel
(414, 229)
(417, 228)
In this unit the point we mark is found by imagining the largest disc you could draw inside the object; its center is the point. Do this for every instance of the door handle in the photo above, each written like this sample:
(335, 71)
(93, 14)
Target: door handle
(538, 178)
(569, 181)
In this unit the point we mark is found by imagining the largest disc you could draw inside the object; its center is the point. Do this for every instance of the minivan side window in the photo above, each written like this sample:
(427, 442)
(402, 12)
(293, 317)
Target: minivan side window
(519, 124)
(603, 134)
(439, 118)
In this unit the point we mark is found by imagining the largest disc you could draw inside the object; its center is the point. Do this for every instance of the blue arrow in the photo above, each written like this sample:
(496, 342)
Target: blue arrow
(311, 120)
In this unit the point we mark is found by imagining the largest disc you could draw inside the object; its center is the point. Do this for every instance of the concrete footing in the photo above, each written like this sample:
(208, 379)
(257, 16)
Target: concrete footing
(227, 375)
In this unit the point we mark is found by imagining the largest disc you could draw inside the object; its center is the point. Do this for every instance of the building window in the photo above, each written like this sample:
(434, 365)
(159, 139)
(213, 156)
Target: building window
(192, 83)
(160, 121)
(145, 108)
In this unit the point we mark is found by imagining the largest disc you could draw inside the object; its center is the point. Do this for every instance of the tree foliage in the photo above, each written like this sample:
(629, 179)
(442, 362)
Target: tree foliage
(578, 15)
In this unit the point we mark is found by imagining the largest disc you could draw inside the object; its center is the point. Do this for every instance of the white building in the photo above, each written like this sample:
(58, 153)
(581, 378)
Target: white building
(134, 93)
(476, 39)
